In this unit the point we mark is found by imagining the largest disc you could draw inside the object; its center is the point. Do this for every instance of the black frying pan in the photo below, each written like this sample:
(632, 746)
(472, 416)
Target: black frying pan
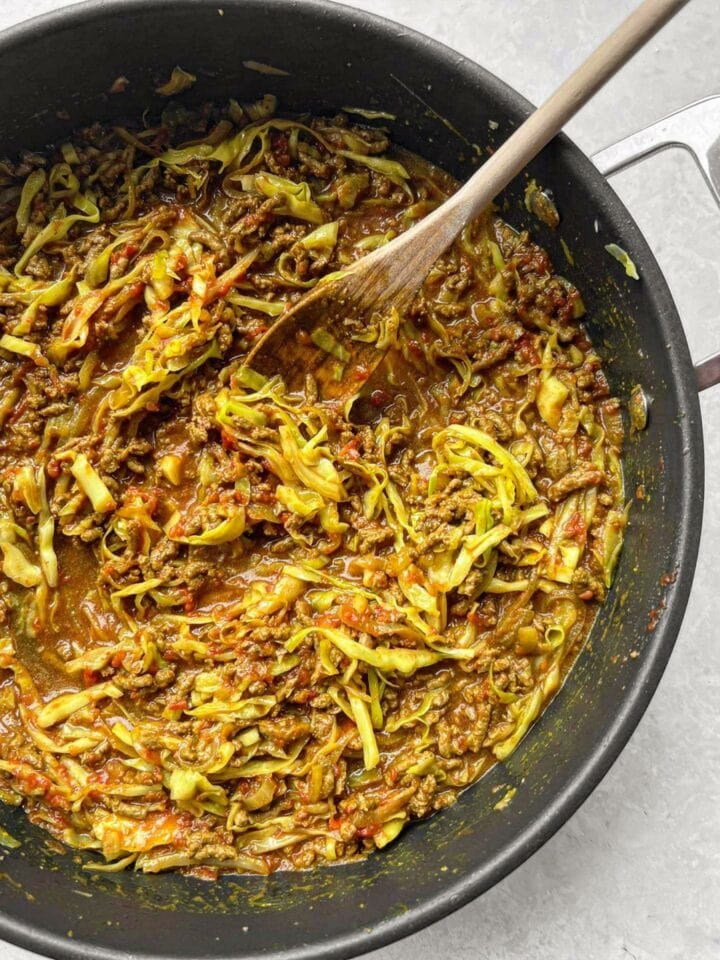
(54, 72)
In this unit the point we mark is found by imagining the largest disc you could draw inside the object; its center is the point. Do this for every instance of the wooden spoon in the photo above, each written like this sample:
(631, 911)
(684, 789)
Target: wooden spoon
(352, 302)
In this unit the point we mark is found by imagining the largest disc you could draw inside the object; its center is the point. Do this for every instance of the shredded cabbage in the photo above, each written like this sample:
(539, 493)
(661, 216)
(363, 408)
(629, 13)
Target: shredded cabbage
(623, 257)
(179, 80)
(301, 623)
(91, 484)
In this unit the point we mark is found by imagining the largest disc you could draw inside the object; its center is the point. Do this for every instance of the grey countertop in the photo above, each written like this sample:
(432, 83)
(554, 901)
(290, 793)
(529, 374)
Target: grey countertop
(636, 872)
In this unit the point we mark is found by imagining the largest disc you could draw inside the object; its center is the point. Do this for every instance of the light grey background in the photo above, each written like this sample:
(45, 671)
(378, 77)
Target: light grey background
(636, 872)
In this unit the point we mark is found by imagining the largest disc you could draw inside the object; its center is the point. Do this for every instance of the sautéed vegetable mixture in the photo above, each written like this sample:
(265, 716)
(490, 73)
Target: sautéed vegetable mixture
(240, 628)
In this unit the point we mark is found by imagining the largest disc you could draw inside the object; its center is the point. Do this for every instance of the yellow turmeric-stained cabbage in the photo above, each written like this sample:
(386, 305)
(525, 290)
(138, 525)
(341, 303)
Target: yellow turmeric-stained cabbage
(91, 484)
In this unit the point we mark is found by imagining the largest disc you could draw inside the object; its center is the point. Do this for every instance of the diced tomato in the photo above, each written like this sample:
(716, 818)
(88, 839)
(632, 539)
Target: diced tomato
(414, 575)
(350, 616)
(350, 450)
(35, 782)
(129, 250)
(257, 331)
(56, 798)
(328, 620)
(228, 441)
(370, 831)
(576, 527)
(188, 601)
(148, 497)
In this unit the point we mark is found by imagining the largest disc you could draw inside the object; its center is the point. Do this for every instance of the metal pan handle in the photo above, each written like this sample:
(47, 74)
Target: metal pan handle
(695, 128)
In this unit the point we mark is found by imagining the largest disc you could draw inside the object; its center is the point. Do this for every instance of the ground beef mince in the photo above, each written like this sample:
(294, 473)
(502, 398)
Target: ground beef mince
(240, 631)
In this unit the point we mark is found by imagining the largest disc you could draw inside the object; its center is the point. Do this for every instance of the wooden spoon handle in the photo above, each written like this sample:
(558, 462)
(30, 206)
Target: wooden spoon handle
(432, 236)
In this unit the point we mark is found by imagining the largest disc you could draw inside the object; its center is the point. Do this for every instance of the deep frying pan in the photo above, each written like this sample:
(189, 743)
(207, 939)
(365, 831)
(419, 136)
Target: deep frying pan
(54, 74)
